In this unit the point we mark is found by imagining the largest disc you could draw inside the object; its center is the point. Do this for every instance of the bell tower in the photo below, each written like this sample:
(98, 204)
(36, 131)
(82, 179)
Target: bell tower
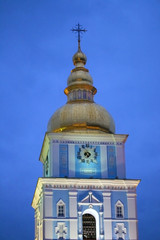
(84, 193)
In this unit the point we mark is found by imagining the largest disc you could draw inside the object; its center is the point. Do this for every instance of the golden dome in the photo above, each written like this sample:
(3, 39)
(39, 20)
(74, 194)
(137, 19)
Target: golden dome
(82, 115)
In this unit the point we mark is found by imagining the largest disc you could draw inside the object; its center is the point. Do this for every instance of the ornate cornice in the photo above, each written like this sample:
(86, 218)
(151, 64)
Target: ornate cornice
(78, 184)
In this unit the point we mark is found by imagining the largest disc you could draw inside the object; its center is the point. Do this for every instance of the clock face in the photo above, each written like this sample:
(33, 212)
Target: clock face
(87, 154)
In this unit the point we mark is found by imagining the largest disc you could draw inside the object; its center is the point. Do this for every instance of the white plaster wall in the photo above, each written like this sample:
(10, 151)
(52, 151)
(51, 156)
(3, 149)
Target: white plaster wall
(133, 234)
(107, 204)
(107, 230)
(132, 210)
(48, 206)
(103, 155)
(48, 229)
(73, 229)
(71, 159)
(73, 204)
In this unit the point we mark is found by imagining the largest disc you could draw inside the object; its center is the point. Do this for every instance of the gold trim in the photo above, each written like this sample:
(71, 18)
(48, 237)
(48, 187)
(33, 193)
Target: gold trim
(81, 126)
(79, 69)
(80, 86)
(79, 60)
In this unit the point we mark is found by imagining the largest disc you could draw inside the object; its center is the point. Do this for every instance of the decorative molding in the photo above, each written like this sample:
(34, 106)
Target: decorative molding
(131, 195)
(106, 194)
(90, 200)
(77, 184)
(82, 138)
(120, 220)
(85, 142)
(73, 194)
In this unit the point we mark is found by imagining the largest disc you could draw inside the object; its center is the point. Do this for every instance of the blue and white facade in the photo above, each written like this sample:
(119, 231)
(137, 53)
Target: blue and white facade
(97, 188)
(84, 193)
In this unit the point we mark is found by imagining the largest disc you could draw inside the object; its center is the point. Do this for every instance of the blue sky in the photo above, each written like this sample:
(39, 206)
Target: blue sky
(36, 48)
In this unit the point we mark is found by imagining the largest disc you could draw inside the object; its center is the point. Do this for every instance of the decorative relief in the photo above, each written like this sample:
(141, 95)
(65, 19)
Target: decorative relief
(63, 160)
(61, 230)
(120, 231)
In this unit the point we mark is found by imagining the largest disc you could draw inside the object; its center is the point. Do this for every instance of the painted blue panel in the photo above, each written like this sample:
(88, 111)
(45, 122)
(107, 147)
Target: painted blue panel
(111, 162)
(57, 195)
(63, 160)
(114, 236)
(122, 196)
(90, 169)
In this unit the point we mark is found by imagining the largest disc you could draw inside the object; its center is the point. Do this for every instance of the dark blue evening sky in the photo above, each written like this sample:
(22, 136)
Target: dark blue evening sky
(36, 48)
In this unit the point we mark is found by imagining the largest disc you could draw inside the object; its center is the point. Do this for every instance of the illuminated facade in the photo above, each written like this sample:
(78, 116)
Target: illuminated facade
(84, 193)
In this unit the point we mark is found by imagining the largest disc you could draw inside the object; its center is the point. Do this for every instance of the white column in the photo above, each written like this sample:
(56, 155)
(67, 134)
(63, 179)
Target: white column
(48, 204)
(73, 214)
(133, 230)
(132, 216)
(48, 229)
(101, 223)
(47, 213)
(73, 204)
(107, 204)
(132, 210)
(80, 223)
(107, 215)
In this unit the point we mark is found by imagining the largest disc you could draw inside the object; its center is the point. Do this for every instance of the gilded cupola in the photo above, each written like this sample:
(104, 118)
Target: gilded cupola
(80, 113)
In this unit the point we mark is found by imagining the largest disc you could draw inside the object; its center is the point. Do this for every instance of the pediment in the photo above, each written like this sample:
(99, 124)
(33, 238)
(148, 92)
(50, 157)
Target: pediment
(90, 198)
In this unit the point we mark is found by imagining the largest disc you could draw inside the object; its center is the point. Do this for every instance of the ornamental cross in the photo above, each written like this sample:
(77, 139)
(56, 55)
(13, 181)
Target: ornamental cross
(80, 30)
(61, 230)
(120, 230)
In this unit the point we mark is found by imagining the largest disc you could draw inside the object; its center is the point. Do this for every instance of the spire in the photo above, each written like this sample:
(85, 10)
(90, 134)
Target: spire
(80, 113)
(80, 83)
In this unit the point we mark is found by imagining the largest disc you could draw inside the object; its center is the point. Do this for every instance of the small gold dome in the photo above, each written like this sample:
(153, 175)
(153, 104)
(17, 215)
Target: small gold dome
(79, 57)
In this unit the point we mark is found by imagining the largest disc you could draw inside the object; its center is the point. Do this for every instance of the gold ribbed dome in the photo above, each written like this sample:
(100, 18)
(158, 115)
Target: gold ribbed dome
(80, 112)
(86, 115)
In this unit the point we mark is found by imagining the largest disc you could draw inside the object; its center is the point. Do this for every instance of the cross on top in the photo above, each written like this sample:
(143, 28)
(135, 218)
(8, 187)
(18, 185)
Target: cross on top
(80, 30)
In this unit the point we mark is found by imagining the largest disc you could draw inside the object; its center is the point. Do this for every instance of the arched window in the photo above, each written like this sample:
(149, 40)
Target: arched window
(119, 209)
(60, 209)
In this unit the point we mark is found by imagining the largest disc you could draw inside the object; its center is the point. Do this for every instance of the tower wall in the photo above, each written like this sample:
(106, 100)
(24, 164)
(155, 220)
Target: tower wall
(79, 197)
(65, 158)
